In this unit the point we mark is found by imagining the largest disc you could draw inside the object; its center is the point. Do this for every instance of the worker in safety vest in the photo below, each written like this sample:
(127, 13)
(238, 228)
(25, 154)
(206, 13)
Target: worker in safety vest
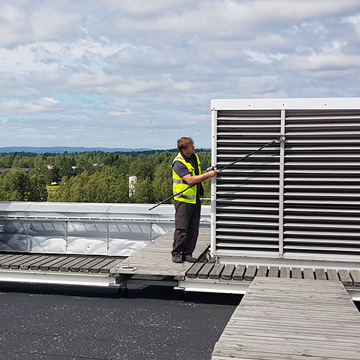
(187, 175)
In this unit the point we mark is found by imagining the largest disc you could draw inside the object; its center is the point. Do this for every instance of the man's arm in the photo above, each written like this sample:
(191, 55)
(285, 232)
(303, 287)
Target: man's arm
(195, 179)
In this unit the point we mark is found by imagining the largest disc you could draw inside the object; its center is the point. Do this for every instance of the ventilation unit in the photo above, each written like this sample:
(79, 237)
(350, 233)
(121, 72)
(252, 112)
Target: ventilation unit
(299, 197)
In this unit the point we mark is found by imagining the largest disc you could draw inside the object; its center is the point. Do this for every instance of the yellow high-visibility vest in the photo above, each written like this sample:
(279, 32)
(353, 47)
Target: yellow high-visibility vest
(189, 195)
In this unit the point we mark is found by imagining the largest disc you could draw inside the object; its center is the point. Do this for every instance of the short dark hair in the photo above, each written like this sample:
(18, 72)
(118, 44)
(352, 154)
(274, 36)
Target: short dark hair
(184, 142)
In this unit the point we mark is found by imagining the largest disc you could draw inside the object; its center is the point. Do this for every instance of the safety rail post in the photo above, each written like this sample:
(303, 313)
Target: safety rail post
(281, 183)
(66, 236)
(213, 183)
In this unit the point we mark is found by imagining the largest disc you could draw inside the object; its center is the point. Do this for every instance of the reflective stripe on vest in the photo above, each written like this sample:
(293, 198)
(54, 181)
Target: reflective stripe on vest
(189, 193)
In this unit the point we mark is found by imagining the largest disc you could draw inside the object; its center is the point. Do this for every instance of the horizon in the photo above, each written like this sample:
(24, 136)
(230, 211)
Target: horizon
(78, 149)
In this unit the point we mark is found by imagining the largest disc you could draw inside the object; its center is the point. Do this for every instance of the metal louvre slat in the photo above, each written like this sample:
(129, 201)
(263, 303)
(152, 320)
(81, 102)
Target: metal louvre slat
(248, 246)
(330, 203)
(299, 198)
(327, 241)
(323, 249)
(248, 224)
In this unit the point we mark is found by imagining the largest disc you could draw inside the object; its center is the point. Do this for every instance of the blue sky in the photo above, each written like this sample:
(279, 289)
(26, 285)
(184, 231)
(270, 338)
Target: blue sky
(140, 73)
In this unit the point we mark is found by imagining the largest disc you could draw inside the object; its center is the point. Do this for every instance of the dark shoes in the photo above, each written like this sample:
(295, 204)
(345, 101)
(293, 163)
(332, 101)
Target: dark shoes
(189, 258)
(177, 259)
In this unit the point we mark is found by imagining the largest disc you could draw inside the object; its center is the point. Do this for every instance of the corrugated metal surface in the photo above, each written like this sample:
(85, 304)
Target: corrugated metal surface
(300, 198)
(247, 193)
(83, 228)
(322, 182)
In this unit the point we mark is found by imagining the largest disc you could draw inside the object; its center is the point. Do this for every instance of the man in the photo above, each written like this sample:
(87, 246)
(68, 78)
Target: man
(187, 175)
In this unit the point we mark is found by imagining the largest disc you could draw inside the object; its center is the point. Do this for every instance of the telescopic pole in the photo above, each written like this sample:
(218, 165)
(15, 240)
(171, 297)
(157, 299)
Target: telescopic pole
(279, 139)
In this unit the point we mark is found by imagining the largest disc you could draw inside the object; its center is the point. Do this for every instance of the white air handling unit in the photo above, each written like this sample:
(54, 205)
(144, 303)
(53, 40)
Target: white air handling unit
(297, 198)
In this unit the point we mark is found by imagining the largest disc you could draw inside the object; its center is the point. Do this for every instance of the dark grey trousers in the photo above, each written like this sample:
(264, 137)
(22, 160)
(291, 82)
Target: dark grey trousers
(187, 221)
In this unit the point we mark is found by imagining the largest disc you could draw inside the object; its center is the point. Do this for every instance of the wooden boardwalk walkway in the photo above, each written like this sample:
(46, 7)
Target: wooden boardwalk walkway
(282, 318)
(155, 258)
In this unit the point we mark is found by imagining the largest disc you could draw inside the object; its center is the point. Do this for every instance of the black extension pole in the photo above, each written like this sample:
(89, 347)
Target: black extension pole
(281, 138)
(170, 197)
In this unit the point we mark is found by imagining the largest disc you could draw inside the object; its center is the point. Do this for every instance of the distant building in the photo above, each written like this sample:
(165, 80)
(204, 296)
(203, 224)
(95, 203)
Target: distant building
(132, 182)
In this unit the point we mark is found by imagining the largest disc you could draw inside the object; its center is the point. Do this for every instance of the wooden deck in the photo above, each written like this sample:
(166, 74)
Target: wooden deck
(155, 259)
(58, 263)
(282, 318)
(241, 273)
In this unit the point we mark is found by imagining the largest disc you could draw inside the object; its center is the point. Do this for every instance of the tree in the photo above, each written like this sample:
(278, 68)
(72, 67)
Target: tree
(107, 186)
(162, 184)
(98, 176)
(74, 188)
(142, 169)
(15, 185)
(38, 190)
(144, 193)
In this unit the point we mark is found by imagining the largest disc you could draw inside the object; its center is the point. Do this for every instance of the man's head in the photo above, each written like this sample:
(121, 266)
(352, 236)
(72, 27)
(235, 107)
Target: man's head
(186, 146)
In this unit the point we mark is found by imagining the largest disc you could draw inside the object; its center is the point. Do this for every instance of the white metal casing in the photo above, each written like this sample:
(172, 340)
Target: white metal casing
(299, 199)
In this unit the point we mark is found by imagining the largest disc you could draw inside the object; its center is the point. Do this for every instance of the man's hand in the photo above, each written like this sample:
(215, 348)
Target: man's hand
(190, 179)
(212, 173)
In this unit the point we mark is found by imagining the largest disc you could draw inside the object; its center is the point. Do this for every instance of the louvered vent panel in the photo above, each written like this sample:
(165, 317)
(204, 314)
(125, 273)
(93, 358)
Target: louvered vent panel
(322, 183)
(247, 193)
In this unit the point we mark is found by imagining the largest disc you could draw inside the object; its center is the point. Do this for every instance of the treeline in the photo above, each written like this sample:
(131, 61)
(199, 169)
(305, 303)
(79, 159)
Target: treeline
(93, 176)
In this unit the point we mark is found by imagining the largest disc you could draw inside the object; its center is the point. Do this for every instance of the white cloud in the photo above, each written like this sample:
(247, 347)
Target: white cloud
(263, 57)
(144, 7)
(101, 69)
(15, 107)
(227, 19)
(24, 23)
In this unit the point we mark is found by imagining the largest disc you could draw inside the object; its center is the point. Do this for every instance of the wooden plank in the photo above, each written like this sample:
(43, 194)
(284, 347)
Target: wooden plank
(296, 273)
(283, 318)
(205, 271)
(66, 265)
(239, 273)
(57, 265)
(355, 275)
(320, 274)
(86, 267)
(216, 271)
(50, 259)
(273, 271)
(345, 277)
(7, 262)
(96, 268)
(285, 272)
(262, 271)
(116, 262)
(308, 273)
(38, 262)
(3, 257)
(23, 258)
(25, 265)
(75, 267)
(227, 272)
(332, 275)
(194, 270)
(250, 273)
(46, 266)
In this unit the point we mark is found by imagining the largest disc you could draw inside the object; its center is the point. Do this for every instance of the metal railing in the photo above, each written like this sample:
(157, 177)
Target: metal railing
(80, 228)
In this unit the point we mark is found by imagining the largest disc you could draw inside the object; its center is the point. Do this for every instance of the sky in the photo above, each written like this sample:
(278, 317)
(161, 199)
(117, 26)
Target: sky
(141, 73)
